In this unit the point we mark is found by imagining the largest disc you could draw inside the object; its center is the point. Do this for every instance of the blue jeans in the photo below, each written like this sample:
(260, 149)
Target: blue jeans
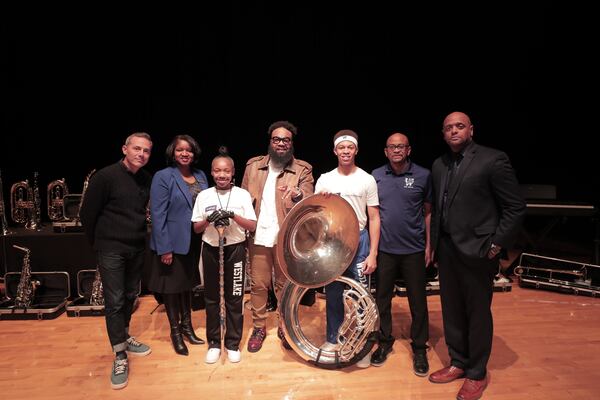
(335, 290)
(121, 275)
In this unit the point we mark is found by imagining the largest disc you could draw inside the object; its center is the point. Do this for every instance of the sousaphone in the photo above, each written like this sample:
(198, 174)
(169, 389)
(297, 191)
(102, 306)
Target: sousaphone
(316, 243)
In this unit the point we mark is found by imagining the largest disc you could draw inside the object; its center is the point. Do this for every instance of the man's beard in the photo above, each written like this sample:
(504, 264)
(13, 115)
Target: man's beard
(280, 161)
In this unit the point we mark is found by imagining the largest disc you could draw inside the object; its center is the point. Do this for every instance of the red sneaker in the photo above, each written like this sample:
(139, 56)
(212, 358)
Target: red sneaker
(256, 339)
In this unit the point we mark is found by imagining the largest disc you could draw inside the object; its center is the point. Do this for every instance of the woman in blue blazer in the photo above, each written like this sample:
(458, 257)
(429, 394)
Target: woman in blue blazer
(176, 248)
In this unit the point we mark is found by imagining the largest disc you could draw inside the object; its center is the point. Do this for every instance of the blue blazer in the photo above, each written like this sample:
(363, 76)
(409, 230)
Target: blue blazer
(171, 210)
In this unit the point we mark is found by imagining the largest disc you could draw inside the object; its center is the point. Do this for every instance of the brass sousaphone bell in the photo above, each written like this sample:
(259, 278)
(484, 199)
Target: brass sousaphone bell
(316, 243)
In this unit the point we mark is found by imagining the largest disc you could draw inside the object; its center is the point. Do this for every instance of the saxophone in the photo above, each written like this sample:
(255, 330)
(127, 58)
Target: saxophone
(27, 286)
(86, 182)
(3, 224)
(34, 221)
(97, 296)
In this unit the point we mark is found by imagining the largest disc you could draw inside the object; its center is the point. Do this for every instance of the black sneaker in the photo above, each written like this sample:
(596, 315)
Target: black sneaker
(379, 356)
(420, 364)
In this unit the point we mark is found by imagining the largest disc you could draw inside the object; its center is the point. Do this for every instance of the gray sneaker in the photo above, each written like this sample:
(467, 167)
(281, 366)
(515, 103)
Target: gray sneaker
(120, 373)
(137, 348)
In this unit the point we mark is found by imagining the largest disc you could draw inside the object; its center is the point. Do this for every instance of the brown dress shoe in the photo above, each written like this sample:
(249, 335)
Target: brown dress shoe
(472, 389)
(447, 374)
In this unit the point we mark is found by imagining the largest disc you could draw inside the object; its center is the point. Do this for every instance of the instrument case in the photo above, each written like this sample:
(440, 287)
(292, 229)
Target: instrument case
(432, 284)
(49, 300)
(81, 307)
(70, 223)
(559, 275)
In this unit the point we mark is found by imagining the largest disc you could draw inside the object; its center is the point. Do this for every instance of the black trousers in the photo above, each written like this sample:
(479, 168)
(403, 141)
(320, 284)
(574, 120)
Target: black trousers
(410, 267)
(121, 275)
(466, 291)
(235, 272)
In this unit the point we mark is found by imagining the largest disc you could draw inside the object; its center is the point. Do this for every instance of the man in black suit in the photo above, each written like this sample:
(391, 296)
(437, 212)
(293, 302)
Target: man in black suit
(477, 212)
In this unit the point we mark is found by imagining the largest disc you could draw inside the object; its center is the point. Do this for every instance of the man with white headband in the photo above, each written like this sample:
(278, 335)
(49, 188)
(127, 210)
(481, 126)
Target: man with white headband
(360, 190)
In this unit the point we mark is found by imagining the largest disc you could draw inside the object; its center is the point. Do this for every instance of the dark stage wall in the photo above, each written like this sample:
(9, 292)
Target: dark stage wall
(225, 73)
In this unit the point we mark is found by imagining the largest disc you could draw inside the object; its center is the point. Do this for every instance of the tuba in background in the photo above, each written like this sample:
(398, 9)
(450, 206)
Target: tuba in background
(71, 210)
(56, 192)
(21, 201)
(316, 243)
(3, 224)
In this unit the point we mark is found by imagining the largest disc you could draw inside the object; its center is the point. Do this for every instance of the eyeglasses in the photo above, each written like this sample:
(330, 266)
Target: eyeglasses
(278, 139)
(392, 147)
(448, 128)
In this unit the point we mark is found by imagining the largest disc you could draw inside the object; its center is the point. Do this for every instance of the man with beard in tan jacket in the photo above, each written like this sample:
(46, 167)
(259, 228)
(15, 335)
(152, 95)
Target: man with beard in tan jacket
(276, 182)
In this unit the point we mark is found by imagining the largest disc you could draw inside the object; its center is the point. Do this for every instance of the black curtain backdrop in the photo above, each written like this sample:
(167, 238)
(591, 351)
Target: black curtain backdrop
(225, 73)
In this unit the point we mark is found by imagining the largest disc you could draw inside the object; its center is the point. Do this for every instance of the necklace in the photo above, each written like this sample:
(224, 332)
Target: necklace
(228, 198)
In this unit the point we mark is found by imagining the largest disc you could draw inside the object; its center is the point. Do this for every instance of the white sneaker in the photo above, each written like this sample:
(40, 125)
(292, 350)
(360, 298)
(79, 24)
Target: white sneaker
(365, 362)
(329, 347)
(212, 355)
(234, 356)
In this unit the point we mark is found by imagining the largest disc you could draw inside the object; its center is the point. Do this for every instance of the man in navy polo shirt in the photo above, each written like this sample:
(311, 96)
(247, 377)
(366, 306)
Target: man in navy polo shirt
(405, 192)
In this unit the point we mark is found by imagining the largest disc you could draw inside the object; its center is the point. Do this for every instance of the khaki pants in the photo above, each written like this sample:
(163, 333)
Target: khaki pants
(263, 261)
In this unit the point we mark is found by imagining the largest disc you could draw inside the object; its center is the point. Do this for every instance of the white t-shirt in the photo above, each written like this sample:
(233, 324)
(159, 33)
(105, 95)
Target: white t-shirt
(237, 200)
(267, 226)
(359, 189)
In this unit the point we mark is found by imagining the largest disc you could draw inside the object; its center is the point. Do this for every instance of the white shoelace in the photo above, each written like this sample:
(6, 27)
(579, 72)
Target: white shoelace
(133, 342)
(120, 366)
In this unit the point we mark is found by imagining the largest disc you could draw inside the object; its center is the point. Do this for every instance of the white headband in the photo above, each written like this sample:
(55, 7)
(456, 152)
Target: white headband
(345, 137)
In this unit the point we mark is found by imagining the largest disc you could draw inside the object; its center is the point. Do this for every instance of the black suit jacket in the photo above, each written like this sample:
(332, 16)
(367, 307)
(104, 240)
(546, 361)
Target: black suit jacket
(485, 205)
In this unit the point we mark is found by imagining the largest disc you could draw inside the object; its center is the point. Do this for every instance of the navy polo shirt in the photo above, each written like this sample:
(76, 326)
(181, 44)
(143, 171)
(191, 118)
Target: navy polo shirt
(401, 199)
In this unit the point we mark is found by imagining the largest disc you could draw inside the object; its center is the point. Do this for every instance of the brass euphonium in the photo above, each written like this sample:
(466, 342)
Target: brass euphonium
(4, 225)
(21, 201)
(56, 192)
(316, 243)
(34, 222)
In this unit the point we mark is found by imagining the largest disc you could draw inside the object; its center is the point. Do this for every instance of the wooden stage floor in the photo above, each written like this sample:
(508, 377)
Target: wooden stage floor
(546, 346)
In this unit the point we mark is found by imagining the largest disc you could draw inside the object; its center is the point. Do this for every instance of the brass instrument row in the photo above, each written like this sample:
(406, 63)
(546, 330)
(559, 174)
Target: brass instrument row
(25, 203)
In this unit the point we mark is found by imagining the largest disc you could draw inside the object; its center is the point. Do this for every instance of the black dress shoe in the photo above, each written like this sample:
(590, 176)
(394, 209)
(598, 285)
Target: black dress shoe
(420, 364)
(380, 355)
(188, 333)
(178, 344)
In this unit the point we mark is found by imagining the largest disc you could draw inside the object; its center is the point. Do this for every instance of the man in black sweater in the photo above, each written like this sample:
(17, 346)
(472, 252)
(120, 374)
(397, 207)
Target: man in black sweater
(113, 215)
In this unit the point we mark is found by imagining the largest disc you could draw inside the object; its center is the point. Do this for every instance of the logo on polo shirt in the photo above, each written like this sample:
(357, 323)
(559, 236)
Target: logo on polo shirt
(408, 182)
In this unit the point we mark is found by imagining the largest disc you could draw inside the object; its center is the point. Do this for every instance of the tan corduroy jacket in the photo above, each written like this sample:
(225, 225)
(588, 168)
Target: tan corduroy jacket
(298, 173)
